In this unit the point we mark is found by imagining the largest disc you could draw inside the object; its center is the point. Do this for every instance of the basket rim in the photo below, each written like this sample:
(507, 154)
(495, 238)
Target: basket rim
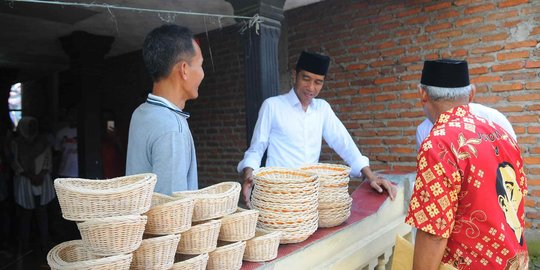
(52, 256)
(175, 201)
(200, 194)
(159, 238)
(338, 168)
(101, 221)
(268, 170)
(148, 177)
(245, 212)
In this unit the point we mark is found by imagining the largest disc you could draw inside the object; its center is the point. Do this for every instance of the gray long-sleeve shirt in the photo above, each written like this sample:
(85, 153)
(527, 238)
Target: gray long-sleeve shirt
(160, 142)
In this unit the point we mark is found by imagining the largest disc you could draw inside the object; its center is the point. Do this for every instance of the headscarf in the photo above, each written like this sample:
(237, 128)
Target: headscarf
(29, 145)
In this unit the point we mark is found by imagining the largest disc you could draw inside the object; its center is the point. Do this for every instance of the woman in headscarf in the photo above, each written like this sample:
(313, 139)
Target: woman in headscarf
(33, 187)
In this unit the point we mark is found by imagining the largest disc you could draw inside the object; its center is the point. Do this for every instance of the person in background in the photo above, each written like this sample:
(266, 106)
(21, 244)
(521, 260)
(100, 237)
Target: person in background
(33, 186)
(477, 109)
(291, 128)
(468, 200)
(111, 149)
(66, 148)
(160, 140)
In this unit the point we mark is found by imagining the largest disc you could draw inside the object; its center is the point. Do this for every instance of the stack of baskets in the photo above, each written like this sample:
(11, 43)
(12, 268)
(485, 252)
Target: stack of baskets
(167, 218)
(334, 199)
(110, 220)
(214, 212)
(287, 201)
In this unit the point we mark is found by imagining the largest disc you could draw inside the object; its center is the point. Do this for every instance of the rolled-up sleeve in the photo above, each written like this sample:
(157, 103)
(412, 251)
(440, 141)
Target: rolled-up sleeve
(338, 138)
(259, 141)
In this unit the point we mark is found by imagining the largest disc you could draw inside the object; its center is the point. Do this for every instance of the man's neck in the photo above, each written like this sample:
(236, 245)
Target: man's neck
(168, 91)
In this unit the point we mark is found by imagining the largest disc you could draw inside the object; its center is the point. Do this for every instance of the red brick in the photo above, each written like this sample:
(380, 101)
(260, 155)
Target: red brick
(417, 20)
(397, 51)
(535, 31)
(483, 50)
(495, 37)
(506, 67)
(448, 34)
(382, 63)
(480, 59)
(534, 130)
(465, 2)
(531, 160)
(512, 55)
(506, 87)
(484, 29)
(511, 3)
(511, 24)
(527, 97)
(438, 6)
(409, 12)
(356, 67)
(480, 8)
(390, 26)
(532, 64)
(510, 109)
(385, 80)
(502, 15)
(386, 45)
(521, 44)
(414, 77)
(485, 79)
(448, 14)
(473, 20)
(478, 70)
(467, 41)
(435, 46)
(520, 75)
(409, 59)
(532, 85)
(407, 32)
(436, 27)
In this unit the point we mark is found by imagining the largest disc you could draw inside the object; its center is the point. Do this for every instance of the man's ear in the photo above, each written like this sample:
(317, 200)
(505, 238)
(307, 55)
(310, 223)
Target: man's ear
(423, 94)
(473, 92)
(181, 69)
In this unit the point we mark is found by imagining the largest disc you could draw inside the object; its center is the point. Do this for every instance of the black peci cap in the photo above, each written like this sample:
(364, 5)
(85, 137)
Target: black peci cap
(314, 63)
(445, 73)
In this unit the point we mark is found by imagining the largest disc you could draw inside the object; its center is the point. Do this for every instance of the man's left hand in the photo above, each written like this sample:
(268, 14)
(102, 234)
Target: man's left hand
(380, 184)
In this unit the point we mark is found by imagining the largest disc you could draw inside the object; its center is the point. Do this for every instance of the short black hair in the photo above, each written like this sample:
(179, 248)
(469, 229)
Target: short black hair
(164, 46)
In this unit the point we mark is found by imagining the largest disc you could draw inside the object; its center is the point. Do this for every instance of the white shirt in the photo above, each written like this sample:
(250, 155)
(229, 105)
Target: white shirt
(477, 109)
(293, 137)
(66, 143)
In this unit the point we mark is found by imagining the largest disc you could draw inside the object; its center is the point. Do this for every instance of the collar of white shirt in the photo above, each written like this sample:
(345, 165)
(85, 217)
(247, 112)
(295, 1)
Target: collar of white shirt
(294, 101)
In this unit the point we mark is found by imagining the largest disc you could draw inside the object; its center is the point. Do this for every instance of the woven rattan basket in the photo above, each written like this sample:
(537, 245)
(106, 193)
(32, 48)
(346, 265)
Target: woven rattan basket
(214, 201)
(263, 247)
(83, 199)
(169, 215)
(328, 172)
(197, 262)
(112, 235)
(238, 226)
(334, 216)
(227, 257)
(273, 175)
(72, 255)
(156, 253)
(201, 238)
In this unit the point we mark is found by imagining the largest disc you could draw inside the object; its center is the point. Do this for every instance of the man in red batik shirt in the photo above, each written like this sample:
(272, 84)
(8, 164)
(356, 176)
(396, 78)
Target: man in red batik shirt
(468, 200)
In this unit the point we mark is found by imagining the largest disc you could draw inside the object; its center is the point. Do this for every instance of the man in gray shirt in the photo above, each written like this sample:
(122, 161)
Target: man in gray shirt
(159, 137)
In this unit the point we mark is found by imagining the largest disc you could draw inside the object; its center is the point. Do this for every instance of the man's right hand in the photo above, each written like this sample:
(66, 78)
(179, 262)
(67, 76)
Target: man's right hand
(247, 178)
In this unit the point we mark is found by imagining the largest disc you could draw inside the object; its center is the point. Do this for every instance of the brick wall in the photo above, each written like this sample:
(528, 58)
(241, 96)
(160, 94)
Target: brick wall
(378, 48)
(217, 117)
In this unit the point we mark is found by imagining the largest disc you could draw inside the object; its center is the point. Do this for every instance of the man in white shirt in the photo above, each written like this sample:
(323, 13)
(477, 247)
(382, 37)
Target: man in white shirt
(290, 127)
(422, 131)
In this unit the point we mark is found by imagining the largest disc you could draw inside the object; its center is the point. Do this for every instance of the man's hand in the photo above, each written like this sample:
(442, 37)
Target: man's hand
(379, 183)
(247, 184)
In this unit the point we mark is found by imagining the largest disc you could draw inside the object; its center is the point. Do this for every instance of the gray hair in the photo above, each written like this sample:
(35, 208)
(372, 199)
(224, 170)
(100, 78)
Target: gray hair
(441, 93)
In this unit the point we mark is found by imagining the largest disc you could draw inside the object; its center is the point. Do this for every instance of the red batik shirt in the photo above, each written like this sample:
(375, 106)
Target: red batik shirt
(470, 188)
